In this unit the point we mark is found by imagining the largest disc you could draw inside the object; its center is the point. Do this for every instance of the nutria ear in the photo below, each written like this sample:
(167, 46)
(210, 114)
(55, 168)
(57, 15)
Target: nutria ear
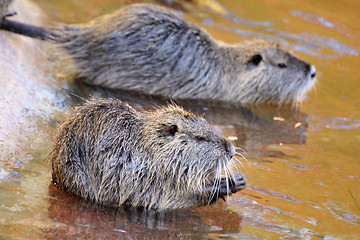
(255, 59)
(170, 130)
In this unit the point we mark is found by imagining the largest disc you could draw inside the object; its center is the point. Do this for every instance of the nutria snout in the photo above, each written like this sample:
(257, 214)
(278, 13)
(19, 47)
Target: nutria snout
(150, 49)
(169, 158)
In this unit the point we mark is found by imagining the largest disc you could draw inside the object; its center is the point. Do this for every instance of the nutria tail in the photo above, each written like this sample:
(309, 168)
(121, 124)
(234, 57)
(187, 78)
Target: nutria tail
(45, 34)
(24, 29)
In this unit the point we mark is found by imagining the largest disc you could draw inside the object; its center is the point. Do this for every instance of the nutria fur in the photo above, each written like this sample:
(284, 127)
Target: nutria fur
(170, 158)
(4, 4)
(150, 49)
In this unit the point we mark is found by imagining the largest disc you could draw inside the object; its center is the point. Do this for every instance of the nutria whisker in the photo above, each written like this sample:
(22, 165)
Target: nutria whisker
(232, 166)
(237, 164)
(216, 183)
(215, 186)
(240, 149)
(228, 192)
(242, 156)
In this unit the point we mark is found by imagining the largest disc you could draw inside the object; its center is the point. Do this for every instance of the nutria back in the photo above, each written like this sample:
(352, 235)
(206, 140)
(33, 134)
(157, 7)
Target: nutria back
(150, 49)
(169, 158)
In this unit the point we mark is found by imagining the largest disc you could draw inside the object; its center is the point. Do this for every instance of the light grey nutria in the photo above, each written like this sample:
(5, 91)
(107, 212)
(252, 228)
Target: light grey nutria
(169, 158)
(150, 49)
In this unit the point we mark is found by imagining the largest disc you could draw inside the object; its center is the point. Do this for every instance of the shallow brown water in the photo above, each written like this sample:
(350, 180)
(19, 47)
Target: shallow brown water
(304, 179)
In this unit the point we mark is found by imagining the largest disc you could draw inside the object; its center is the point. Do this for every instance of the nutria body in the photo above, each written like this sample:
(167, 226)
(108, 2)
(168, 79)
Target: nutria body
(150, 49)
(170, 158)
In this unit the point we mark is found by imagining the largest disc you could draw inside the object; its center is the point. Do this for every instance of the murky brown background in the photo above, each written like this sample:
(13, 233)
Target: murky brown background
(304, 179)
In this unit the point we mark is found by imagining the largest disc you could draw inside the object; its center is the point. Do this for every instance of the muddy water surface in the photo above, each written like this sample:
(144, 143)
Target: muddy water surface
(303, 165)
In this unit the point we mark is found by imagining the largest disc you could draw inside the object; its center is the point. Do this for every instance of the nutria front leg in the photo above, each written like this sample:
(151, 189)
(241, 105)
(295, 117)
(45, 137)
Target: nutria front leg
(234, 183)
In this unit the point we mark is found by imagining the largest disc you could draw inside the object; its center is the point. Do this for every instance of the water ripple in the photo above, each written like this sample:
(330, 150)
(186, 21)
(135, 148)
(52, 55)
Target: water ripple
(299, 166)
(339, 211)
(340, 28)
(273, 194)
(304, 233)
(333, 123)
(316, 42)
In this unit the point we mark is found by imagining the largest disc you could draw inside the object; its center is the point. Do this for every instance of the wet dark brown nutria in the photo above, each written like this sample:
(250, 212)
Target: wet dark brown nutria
(150, 49)
(169, 158)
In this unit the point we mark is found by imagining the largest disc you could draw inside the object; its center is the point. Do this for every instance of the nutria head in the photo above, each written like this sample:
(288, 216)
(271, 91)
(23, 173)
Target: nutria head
(269, 73)
(188, 154)
(187, 145)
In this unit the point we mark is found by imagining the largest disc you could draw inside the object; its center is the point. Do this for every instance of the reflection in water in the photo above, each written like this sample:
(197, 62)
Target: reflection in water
(256, 218)
(78, 218)
(254, 127)
(334, 123)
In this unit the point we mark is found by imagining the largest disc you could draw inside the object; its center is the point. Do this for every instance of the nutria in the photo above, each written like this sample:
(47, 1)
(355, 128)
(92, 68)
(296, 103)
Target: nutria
(169, 158)
(150, 49)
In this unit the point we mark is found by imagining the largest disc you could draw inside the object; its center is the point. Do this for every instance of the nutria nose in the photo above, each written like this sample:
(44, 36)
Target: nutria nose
(229, 148)
(310, 70)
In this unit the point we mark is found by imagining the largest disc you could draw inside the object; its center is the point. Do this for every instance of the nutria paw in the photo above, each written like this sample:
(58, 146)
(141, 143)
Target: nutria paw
(239, 182)
(235, 182)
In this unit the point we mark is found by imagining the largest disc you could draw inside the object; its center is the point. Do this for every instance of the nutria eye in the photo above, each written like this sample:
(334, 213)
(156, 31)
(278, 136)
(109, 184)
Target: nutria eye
(282, 65)
(199, 138)
(171, 130)
(256, 59)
